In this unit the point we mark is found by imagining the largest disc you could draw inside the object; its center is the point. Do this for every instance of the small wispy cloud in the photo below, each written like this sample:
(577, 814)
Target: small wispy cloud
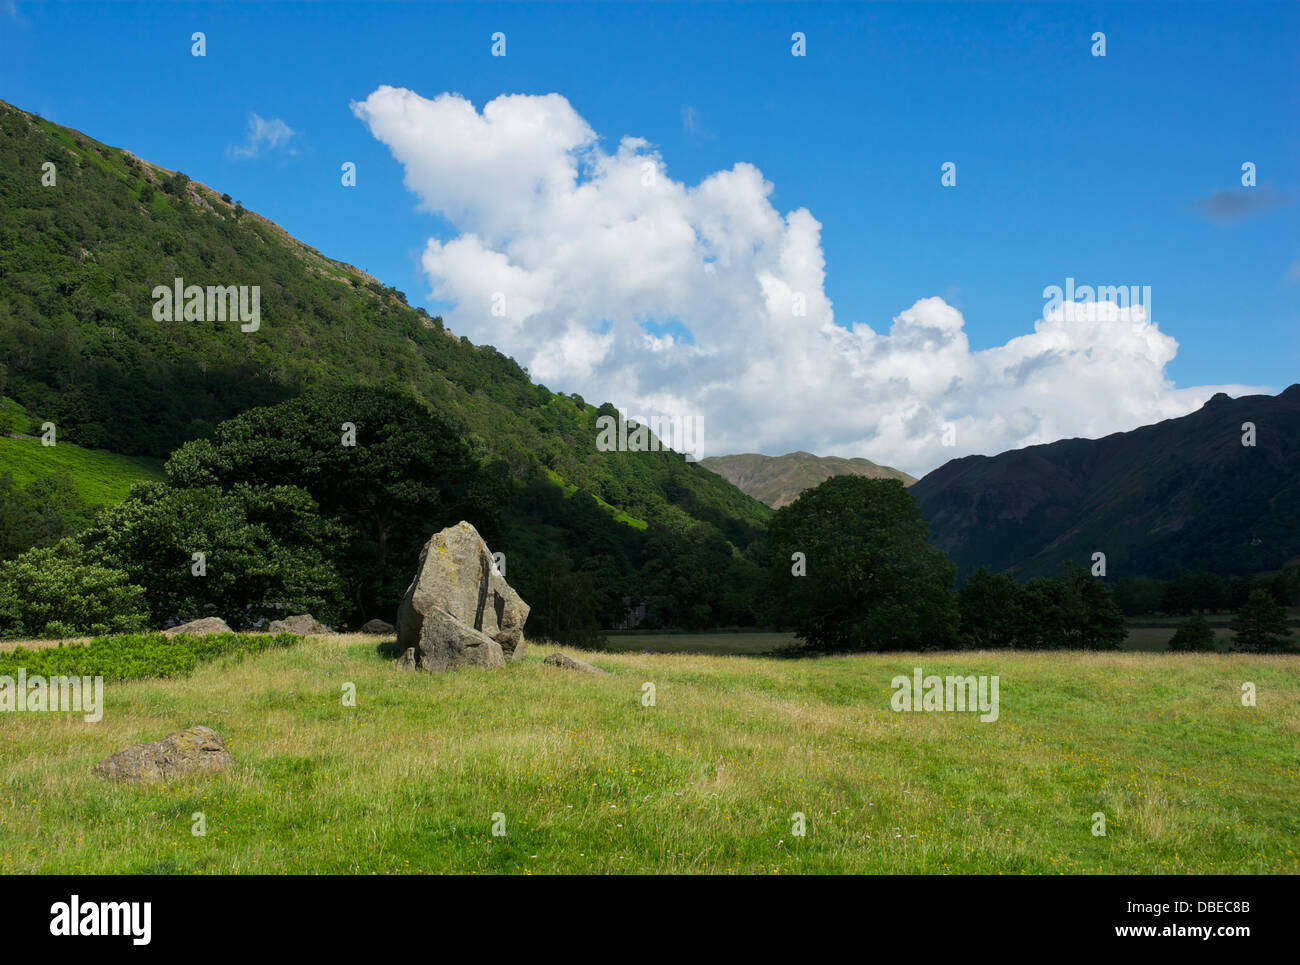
(264, 135)
(692, 125)
(1224, 207)
(1293, 272)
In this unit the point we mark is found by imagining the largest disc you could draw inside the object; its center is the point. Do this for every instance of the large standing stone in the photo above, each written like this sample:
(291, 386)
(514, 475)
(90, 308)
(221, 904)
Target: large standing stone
(445, 642)
(459, 611)
(197, 750)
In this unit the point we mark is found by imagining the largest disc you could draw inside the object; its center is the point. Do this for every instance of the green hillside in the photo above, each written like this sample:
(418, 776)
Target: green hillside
(79, 346)
(100, 478)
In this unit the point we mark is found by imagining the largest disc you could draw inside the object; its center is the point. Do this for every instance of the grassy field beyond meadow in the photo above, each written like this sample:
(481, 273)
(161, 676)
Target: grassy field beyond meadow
(1147, 635)
(587, 779)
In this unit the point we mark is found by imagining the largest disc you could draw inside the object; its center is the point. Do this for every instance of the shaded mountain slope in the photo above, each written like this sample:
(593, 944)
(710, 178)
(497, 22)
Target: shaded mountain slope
(1181, 495)
(79, 345)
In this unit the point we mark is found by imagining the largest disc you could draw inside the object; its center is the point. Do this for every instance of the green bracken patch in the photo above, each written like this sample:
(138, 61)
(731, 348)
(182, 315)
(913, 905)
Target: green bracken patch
(101, 478)
(136, 656)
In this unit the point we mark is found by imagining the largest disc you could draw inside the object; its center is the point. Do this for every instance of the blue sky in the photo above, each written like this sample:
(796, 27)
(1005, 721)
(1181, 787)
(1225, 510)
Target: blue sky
(1067, 165)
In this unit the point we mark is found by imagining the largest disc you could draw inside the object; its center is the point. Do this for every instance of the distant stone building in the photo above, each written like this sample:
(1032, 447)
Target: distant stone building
(633, 616)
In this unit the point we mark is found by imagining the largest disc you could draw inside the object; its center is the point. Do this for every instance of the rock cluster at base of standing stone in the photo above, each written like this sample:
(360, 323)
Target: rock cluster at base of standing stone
(197, 750)
(304, 624)
(459, 611)
(200, 628)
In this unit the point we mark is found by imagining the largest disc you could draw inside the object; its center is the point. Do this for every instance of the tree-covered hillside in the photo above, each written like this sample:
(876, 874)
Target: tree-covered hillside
(80, 347)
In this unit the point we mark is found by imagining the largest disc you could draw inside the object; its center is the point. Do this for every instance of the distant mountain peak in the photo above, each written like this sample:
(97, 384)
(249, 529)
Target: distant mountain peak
(778, 480)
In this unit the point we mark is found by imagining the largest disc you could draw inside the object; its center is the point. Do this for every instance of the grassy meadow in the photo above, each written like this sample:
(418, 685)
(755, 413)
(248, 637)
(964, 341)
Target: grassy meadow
(707, 780)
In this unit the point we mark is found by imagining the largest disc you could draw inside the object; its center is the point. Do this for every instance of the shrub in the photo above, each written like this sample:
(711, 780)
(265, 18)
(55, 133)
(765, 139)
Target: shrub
(1193, 635)
(262, 546)
(408, 475)
(60, 591)
(563, 605)
(1261, 625)
(992, 617)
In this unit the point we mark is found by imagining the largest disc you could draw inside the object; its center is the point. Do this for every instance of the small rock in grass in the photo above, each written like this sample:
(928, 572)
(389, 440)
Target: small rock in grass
(197, 750)
(377, 626)
(565, 662)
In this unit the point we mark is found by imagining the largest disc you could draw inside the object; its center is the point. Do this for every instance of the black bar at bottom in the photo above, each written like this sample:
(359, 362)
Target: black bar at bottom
(222, 915)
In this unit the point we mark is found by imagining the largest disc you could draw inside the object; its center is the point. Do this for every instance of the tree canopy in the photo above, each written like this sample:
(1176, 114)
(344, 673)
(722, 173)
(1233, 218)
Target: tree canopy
(872, 582)
(378, 463)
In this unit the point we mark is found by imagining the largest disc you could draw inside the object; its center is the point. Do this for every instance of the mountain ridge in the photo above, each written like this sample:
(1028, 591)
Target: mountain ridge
(1178, 495)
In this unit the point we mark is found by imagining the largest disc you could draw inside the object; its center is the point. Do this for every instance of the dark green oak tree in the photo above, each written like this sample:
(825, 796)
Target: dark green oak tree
(873, 582)
(377, 461)
(262, 549)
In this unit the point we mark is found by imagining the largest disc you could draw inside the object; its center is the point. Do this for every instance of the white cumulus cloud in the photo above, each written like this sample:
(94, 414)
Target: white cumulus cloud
(604, 276)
